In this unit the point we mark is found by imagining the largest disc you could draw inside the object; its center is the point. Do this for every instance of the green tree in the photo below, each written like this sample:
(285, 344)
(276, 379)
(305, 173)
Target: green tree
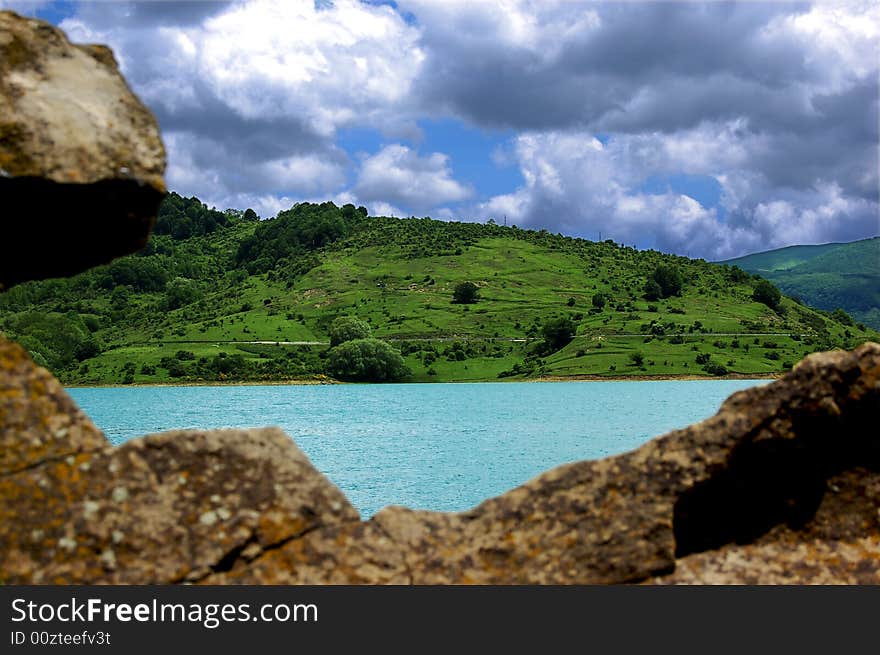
(767, 294)
(637, 358)
(366, 360)
(465, 293)
(841, 316)
(599, 300)
(180, 292)
(664, 281)
(348, 328)
(558, 333)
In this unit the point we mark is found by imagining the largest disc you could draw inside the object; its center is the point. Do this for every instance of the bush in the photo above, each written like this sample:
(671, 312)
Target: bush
(366, 360)
(558, 333)
(182, 291)
(348, 328)
(715, 369)
(652, 290)
(637, 358)
(664, 281)
(841, 316)
(465, 293)
(175, 369)
(767, 294)
(599, 300)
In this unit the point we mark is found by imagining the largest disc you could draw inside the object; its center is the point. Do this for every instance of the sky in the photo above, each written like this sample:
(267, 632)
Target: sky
(705, 129)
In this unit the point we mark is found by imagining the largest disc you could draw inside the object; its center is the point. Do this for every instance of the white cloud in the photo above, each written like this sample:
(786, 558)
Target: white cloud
(397, 174)
(777, 102)
(575, 184)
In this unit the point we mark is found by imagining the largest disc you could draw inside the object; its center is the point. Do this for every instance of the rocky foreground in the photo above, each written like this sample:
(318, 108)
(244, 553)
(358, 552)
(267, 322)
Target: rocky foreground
(781, 486)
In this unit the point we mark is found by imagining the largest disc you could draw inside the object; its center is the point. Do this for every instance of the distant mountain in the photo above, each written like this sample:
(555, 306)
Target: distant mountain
(828, 276)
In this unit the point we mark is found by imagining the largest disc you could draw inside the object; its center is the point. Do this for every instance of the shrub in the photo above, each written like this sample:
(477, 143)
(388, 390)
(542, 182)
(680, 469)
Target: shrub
(664, 281)
(465, 293)
(767, 294)
(842, 317)
(348, 328)
(558, 333)
(366, 360)
(715, 369)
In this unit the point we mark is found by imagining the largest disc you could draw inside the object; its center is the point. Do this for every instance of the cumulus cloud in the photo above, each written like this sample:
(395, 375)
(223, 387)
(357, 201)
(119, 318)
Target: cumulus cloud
(250, 95)
(576, 184)
(397, 174)
(776, 102)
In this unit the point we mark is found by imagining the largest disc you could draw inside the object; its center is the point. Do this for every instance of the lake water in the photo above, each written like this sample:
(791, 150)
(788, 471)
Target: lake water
(426, 446)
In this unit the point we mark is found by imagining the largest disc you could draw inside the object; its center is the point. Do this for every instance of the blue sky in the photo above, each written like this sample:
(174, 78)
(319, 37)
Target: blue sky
(710, 129)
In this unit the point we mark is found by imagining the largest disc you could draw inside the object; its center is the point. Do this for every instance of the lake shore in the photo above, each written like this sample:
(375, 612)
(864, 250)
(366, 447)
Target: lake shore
(567, 378)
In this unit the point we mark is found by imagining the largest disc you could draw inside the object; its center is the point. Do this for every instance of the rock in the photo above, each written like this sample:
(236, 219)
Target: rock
(354, 553)
(839, 545)
(782, 485)
(164, 508)
(39, 422)
(81, 160)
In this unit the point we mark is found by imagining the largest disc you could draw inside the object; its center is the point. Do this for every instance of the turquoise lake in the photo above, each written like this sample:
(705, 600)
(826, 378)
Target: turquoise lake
(426, 446)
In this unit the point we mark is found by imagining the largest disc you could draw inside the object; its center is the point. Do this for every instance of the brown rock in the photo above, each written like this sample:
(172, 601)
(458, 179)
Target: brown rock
(164, 508)
(38, 420)
(354, 553)
(839, 545)
(81, 160)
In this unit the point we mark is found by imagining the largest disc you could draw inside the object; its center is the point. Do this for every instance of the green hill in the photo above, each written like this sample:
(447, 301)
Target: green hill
(844, 275)
(222, 296)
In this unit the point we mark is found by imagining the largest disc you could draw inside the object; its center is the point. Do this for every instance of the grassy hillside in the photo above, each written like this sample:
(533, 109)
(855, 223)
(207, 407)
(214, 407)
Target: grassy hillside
(845, 275)
(224, 297)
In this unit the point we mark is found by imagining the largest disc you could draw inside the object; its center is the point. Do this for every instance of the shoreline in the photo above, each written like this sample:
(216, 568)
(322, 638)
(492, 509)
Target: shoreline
(587, 377)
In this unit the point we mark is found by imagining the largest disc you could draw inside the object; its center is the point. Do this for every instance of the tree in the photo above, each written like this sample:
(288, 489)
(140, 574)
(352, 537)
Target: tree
(180, 292)
(652, 290)
(465, 293)
(348, 328)
(366, 360)
(637, 358)
(558, 333)
(767, 294)
(664, 281)
(250, 215)
(841, 316)
(599, 300)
